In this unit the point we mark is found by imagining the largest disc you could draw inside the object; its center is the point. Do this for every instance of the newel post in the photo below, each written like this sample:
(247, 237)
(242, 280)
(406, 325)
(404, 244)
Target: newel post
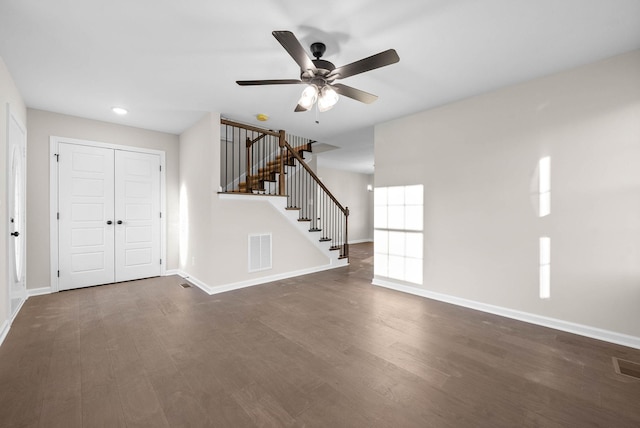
(346, 231)
(281, 183)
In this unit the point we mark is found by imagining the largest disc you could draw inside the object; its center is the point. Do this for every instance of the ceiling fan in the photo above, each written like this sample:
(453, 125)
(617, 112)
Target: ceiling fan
(320, 74)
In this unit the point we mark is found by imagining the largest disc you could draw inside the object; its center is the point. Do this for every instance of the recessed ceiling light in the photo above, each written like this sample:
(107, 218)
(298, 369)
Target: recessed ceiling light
(119, 110)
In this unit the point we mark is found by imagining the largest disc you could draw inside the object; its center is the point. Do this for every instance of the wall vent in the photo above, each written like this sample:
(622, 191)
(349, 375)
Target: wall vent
(259, 252)
(626, 368)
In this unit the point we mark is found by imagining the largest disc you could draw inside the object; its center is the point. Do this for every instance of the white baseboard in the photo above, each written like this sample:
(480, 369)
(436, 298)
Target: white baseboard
(38, 291)
(4, 330)
(6, 325)
(580, 329)
(195, 281)
(211, 290)
(170, 272)
(361, 241)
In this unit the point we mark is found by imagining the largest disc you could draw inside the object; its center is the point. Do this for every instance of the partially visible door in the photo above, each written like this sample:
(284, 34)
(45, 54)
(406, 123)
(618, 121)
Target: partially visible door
(137, 215)
(86, 225)
(16, 188)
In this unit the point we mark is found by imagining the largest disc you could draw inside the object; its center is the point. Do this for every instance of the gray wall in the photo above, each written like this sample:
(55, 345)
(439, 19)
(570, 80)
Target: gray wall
(40, 126)
(350, 189)
(477, 161)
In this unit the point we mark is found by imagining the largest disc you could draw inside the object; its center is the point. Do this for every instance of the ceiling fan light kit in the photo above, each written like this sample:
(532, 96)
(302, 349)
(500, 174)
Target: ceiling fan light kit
(308, 98)
(328, 98)
(320, 74)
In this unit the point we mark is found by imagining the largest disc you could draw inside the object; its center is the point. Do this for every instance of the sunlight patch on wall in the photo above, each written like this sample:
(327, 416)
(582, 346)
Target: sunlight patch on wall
(545, 267)
(544, 186)
(184, 226)
(398, 237)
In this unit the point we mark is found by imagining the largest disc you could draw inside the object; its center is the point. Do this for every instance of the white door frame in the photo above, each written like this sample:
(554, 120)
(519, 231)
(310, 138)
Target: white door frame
(53, 198)
(11, 117)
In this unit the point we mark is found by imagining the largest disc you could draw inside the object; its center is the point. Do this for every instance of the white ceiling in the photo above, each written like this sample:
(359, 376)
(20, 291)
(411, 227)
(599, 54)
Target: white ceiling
(168, 61)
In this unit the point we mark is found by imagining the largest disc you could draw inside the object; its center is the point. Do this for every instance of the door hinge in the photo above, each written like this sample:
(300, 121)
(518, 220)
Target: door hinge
(160, 215)
(160, 168)
(57, 157)
(160, 261)
(58, 216)
(58, 274)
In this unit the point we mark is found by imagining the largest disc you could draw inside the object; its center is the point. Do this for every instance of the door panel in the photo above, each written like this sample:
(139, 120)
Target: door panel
(16, 209)
(137, 205)
(85, 204)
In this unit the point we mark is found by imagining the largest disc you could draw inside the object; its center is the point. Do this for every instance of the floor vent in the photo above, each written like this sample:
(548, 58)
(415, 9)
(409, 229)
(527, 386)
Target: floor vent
(185, 285)
(626, 368)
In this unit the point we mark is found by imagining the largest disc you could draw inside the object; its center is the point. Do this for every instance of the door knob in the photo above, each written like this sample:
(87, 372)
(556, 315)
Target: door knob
(109, 222)
(119, 222)
(16, 234)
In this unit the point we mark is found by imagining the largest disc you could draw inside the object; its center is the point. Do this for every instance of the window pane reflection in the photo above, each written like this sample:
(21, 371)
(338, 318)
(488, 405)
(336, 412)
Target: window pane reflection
(398, 237)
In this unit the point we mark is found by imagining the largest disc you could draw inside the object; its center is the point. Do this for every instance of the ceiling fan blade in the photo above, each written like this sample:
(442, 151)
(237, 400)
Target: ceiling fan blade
(291, 44)
(354, 93)
(381, 59)
(268, 82)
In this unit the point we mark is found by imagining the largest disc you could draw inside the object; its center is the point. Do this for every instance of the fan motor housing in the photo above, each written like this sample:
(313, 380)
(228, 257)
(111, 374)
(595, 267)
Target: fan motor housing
(320, 76)
(324, 68)
(324, 65)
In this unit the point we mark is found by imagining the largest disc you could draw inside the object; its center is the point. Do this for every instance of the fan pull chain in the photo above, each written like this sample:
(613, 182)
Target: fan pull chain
(317, 115)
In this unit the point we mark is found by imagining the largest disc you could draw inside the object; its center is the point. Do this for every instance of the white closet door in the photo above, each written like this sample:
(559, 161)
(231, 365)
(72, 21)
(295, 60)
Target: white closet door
(137, 215)
(86, 205)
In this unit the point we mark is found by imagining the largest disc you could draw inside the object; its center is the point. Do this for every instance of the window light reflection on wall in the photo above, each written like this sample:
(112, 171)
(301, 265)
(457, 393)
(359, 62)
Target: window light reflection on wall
(544, 186)
(545, 267)
(398, 238)
(544, 209)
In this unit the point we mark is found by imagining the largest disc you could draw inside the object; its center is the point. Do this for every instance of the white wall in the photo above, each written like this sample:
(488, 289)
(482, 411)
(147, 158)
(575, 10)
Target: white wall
(350, 189)
(477, 160)
(9, 94)
(214, 245)
(42, 125)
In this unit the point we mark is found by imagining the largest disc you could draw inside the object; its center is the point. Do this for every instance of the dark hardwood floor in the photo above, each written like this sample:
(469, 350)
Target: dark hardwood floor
(323, 350)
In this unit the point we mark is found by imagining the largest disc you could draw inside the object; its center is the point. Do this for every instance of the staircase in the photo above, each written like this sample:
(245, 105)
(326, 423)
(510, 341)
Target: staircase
(267, 176)
(271, 163)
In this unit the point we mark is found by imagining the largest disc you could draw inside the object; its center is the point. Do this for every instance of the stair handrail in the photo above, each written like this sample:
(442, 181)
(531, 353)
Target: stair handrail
(296, 155)
(345, 210)
(249, 127)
